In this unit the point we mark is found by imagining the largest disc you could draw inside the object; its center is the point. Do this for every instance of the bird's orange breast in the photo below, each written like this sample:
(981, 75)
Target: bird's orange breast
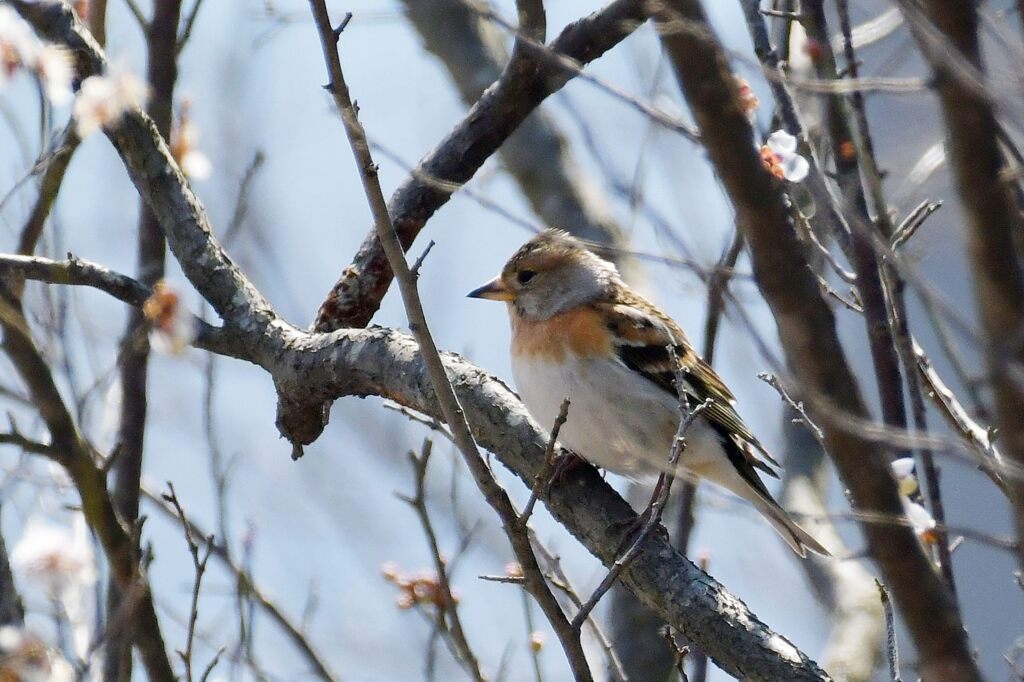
(581, 332)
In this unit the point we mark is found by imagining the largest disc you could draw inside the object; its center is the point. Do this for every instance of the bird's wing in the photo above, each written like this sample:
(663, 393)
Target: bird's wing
(642, 335)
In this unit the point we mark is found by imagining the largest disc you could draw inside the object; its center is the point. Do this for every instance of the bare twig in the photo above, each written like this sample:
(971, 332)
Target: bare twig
(680, 652)
(797, 405)
(891, 652)
(415, 269)
(546, 471)
(979, 439)
(199, 564)
(652, 515)
(140, 18)
(389, 240)
(916, 218)
(190, 21)
(448, 610)
(292, 630)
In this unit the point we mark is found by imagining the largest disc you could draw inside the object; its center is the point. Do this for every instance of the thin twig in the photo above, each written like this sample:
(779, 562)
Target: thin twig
(190, 21)
(679, 652)
(546, 471)
(979, 439)
(915, 219)
(415, 269)
(199, 564)
(429, 422)
(556, 575)
(445, 394)
(891, 652)
(797, 405)
(140, 18)
(656, 505)
(448, 612)
(292, 630)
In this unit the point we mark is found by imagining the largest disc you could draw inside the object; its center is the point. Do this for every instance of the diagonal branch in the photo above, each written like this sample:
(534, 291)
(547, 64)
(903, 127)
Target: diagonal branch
(500, 110)
(993, 221)
(537, 154)
(158, 179)
(808, 333)
(314, 369)
(448, 402)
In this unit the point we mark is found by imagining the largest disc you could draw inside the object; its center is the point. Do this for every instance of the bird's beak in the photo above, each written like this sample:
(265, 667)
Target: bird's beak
(494, 290)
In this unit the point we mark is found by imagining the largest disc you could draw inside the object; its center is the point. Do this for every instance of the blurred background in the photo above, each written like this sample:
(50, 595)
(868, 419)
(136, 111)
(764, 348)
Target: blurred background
(316, 532)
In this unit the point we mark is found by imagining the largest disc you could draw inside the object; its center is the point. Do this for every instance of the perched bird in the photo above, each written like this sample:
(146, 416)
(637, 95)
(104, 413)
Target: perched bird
(579, 332)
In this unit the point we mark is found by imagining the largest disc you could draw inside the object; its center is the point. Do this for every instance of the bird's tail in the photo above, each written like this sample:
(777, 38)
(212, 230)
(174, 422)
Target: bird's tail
(796, 537)
(744, 482)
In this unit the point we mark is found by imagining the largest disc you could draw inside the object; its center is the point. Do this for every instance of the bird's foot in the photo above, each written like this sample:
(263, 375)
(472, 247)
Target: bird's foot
(630, 530)
(566, 462)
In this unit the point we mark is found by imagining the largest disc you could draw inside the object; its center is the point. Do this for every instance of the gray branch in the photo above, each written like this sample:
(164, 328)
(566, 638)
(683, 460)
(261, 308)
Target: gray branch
(537, 154)
(311, 369)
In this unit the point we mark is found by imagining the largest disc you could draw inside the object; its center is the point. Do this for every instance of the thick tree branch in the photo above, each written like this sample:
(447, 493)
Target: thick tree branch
(993, 221)
(537, 154)
(499, 111)
(313, 369)
(533, 577)
(386, 363)
(808, 333)
(77, 457)
(159, 180)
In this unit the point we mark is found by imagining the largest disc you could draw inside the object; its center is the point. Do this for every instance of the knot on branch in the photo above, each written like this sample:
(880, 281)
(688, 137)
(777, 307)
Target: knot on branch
(301, 421)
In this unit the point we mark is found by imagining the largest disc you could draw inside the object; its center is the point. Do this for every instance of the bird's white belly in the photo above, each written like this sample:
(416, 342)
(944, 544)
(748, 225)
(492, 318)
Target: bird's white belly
(617, 419)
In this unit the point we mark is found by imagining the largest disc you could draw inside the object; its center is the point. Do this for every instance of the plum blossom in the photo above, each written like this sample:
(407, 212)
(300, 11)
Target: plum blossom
(174, 328)
(193, 163)
(920, 519)
(26, 658)
(104, 98)
(55, 69)
(57, 558)
(779, 156)
(748, 100)
(422, 588)
(20, 48)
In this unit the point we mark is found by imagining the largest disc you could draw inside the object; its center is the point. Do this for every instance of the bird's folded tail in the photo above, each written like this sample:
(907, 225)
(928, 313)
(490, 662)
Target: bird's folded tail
(796, 537)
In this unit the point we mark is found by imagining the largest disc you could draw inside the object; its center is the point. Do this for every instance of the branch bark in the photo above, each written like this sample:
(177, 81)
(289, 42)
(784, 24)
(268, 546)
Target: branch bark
(162, 75)
(499, 111)
(808, 333)
(993, 221)
(386, 363)
(313, 369)
(537, 154)
(451, 410)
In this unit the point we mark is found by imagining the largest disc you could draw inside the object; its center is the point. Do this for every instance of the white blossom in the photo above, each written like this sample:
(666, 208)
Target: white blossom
(174, 327)
(55, 70)
(196, 165)
(57, 558)
(26, 658)
(20, 48)
(103, 99)
(920, 519)
(903, 470)
(780, 157)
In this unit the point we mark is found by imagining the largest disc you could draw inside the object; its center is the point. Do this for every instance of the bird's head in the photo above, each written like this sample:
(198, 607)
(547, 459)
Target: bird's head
(552, 273)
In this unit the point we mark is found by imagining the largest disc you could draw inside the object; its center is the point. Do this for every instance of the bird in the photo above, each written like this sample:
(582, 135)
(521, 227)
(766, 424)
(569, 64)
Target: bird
(579, 332)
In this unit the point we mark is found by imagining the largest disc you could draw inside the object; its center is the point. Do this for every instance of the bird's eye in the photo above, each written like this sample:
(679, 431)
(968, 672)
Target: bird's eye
(525, 276)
